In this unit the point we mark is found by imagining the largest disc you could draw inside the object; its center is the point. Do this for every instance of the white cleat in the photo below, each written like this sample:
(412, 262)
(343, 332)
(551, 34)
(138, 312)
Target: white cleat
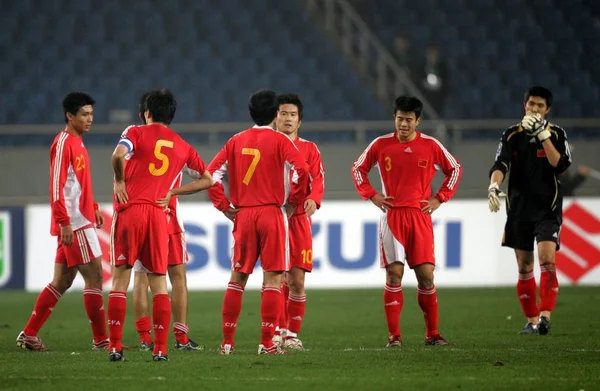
(30, 343)
(293, 343)
(278, 340)
(226, 349)
(272, 350)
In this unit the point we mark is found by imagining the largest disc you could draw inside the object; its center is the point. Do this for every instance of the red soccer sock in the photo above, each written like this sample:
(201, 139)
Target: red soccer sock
(41, 311)
(270, 307)
(527, 296)
(232, 306)
(548, 287)
(117, 307)
(427, 298)
(161, 316)
(94, 307)
(143, 328)
(180, 330)
(296, 307)
(393, 301)
(283, 313)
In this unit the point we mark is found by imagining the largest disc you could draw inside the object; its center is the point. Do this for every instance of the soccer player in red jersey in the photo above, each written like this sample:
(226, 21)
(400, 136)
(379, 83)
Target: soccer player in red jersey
(178, 257)
(407, 161)
(75, 217)
(289, 120)
(267, 181)
(155, 155)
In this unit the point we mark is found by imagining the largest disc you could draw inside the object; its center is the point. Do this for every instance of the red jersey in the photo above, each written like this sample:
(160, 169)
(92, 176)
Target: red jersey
(407, 169)
(316, 171)
(264, 168)
(71, 196)
(156, 157)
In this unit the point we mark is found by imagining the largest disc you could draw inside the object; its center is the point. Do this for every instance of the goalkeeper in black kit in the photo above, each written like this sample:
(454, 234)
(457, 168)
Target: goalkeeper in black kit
(533, 154)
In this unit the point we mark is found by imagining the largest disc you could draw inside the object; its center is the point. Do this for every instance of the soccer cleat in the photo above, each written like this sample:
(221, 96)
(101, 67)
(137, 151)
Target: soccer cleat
(544, 325)
(146, 346)
(435, 340)
(293, 343)
(226, 349)
(272, 350)
(160, 357)
(116, 355)
(529, 329)
(278, 340)
(30, 343)
(394, 341)
(102, 345)
(189, 346)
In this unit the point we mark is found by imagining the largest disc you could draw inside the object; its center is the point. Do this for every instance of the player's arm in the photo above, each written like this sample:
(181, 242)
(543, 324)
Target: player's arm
(557, 150)
(218, 169)
(360, 175)
(297, 164)
(204, 182)
(452, 172)
(59, 168)
(125, 146)
(498, 172)
(360, 172)
(118, 165)
(195, 168)
(317, 182)
(501, 162)
(99, 216)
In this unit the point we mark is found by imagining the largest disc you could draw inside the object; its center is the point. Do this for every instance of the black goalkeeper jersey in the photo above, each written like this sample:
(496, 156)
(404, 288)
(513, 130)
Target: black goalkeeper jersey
(533, 190)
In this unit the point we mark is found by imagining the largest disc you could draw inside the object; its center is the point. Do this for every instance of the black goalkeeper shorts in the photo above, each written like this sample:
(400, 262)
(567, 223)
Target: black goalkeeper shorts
(520, 235)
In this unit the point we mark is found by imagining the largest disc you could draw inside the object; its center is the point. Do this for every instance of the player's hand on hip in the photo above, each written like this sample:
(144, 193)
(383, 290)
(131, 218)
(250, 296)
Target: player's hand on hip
(230, 213)
(120, 192)
(99, 219)
(289, 210)
(66, 235)
(310, 207)
(382, 202)
(429, 206)
(164, 202)
(494, 194)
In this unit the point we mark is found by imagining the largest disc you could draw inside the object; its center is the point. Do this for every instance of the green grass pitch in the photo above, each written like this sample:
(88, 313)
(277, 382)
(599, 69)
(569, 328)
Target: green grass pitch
(344, 333)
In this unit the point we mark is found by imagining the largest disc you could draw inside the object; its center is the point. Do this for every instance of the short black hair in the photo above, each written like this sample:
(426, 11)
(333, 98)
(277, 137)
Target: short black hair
(292, 99)
(540, 91)
(75, 101)
(408, 104)
(142, 107)
(162, 105)
(263, 106)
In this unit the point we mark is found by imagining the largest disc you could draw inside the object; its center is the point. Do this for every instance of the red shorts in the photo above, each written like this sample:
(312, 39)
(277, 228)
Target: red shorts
(260, 231)
(140, 238)
(177, 249)
(406, 234)
(85, 248)
(300, 233)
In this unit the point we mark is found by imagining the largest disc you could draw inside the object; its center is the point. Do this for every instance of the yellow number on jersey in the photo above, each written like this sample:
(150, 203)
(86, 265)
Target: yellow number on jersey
(79, 163)
(255, 159)
(388, 163)
(164, 159)
(307, 256)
